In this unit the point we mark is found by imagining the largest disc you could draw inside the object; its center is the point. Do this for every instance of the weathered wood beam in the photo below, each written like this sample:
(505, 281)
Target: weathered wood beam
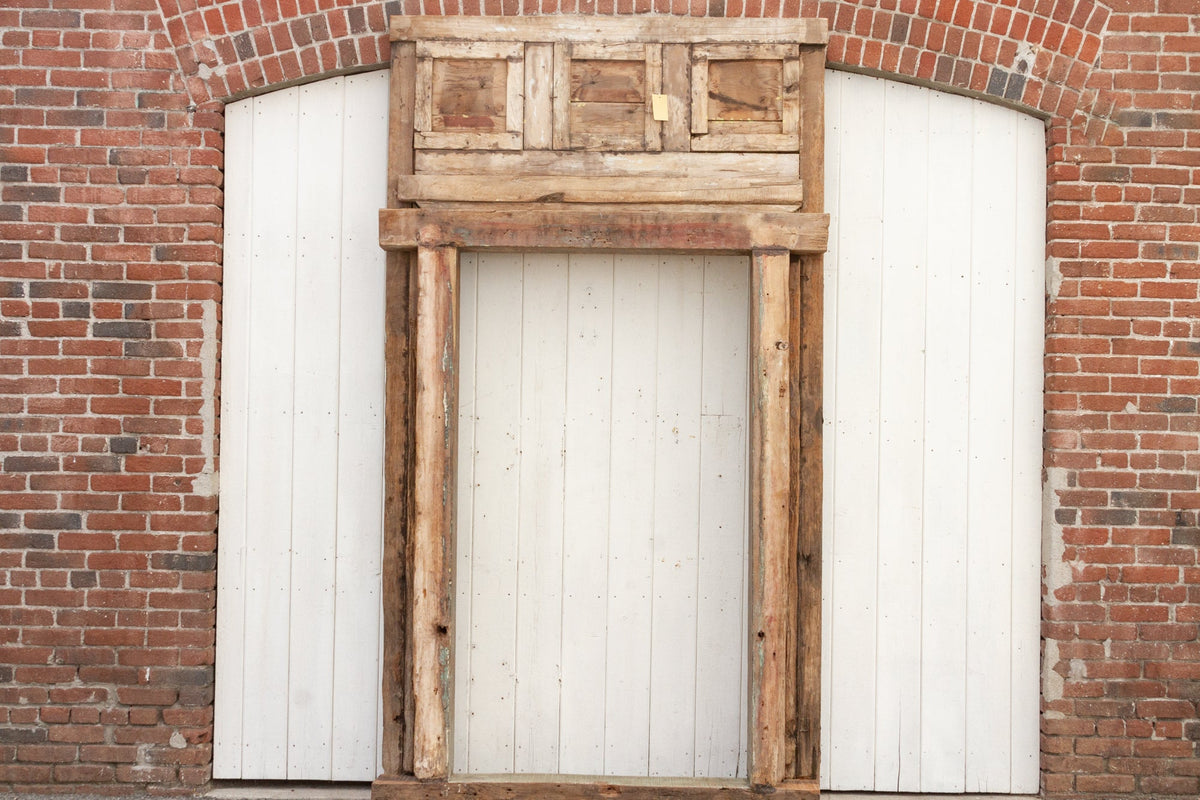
(598, 189)
(397, 644)
(807, 365)
(433, 501)
(405, 229)
(769, 513)
(651, 29)
(388, 788)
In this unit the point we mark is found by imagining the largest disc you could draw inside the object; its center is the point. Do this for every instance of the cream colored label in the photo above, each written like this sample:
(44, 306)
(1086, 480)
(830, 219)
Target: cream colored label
(658, 104)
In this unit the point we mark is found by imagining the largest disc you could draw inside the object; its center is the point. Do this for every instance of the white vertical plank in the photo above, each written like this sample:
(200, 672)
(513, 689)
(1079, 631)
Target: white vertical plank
(269, 479)
(989, 491)
(588, 437)
(835, 83)
(631, 531)
(676, 517)
(360, 434)
(721, 678)
(1028, 344)
(315, 432)
(494, 524)
(468, 304)
(901, 423)
(856, 479)
(944, 576)
(540, 512)
(236, 287)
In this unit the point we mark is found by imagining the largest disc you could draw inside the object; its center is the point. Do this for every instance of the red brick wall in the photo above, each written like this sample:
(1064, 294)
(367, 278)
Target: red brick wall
(110, 229)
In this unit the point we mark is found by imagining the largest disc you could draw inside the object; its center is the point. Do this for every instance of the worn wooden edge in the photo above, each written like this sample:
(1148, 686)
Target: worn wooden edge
(433, 502)
(717, 140)
(651, 28)
(718, 232)
(396, 740)
(756, 51)
(677, 72)
(394, 568)
(539, 97)
(807, 477)
(652, 131)
(770, 452)
(808, 364)
(745, 169)
(402, 788)
(605, 208)
(600, 189)
(468, 140)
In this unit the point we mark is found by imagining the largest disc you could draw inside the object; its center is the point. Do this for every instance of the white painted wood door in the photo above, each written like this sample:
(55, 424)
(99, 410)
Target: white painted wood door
(602, 502)
(933, 419)
(299, 538)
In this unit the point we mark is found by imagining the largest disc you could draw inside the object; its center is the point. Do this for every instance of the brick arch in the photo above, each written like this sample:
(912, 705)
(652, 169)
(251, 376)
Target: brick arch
(1036, 54)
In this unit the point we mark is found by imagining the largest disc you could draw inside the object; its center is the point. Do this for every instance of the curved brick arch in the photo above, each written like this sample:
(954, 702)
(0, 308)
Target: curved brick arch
(1038, 54)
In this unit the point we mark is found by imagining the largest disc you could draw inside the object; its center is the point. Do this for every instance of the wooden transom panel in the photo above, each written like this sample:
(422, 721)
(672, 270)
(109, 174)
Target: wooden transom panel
(586, 89)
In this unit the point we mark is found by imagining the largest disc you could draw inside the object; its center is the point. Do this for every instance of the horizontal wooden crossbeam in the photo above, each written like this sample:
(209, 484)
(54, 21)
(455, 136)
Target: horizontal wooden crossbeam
(652, 29)
(592, 189)
(717, 232)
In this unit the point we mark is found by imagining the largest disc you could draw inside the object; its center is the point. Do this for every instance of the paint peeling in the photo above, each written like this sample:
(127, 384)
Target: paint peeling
(1054, 278)
(1057, 574)
(207, 483)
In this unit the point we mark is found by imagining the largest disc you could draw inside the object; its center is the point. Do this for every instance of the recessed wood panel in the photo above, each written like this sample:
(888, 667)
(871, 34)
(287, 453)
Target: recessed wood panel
(621, 119)
(745, 90)
(469, 95)
(603, 81)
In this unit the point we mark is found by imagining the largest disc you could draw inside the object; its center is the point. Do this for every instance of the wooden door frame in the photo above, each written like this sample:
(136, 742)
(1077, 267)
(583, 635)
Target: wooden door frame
(423, 245)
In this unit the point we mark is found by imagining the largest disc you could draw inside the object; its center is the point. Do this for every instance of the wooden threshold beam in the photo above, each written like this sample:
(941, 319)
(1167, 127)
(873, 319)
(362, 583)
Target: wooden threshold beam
(402, 788)
(716, 232)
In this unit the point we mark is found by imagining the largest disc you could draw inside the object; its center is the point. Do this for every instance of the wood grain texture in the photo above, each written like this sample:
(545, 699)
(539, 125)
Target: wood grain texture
(397, 430)
(539, 97)
(807, 325)
(737, 169)
(683, 231)
(641, 28)
(676, 85)
(598, 189)
(769, 516)
(398, 788)
(433, 499)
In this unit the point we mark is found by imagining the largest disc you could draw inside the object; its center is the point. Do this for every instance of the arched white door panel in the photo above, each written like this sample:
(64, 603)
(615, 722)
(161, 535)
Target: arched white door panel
(300, 531)
(933, 419)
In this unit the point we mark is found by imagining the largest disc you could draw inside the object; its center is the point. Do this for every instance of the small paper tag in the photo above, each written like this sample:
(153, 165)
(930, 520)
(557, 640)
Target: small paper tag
(658, 104)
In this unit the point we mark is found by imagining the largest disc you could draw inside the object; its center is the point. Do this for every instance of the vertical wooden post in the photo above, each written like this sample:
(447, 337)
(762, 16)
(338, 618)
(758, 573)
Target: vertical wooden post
(397, 437)
(433, 502)
(807, 298)
(677, 78)
(769, 516)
